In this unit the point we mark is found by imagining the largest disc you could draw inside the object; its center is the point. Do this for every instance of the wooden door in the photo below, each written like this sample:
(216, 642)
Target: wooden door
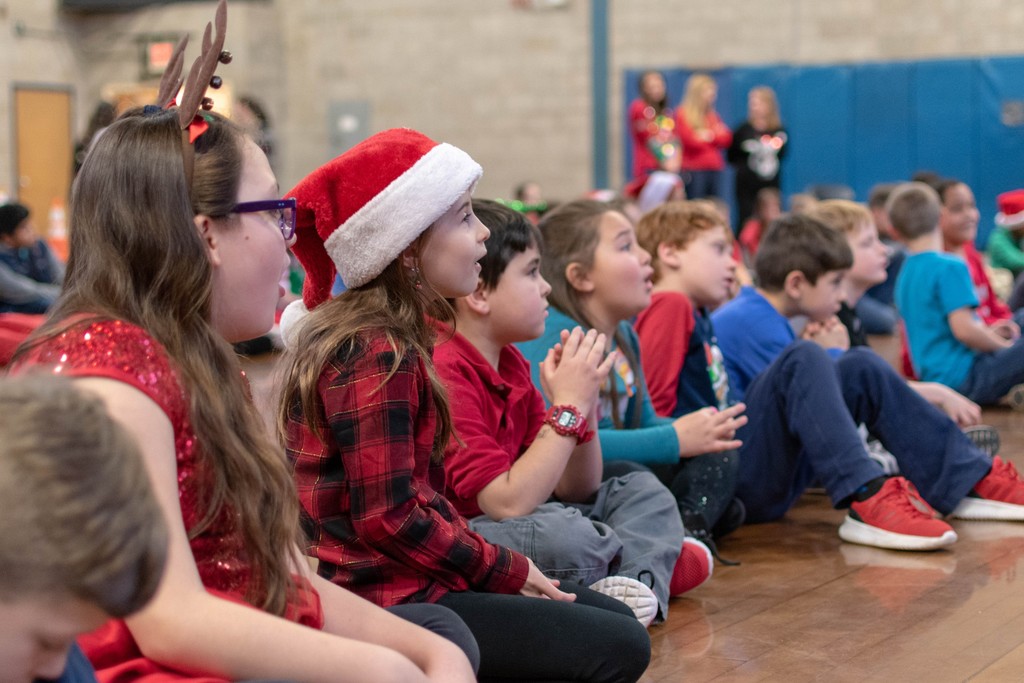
(43, 149)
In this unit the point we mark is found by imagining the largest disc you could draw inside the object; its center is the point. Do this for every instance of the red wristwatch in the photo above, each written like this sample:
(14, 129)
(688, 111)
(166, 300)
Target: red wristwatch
(568, 421)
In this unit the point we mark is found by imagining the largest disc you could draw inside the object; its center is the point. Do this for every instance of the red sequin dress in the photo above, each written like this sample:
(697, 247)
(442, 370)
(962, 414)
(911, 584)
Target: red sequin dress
(123, 352)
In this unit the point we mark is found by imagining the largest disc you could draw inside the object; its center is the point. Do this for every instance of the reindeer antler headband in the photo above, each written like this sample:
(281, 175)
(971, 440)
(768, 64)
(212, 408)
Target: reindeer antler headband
(200, 77)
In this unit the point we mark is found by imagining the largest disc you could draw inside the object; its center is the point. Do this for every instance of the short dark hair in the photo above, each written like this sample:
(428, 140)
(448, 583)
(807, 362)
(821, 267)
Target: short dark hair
(797, 242)
(914, 209)
(879, 195)
(11, 216)
(511, 233)
(943, 186)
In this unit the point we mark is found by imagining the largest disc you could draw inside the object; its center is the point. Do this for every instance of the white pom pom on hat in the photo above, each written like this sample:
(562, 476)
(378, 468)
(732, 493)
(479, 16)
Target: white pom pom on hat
(358, 212)
(1011, 208)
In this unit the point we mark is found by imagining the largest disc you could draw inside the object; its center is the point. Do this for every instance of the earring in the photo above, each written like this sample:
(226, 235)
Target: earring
(416, 277)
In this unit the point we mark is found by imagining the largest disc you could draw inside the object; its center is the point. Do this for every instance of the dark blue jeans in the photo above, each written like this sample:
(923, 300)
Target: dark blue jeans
(702, 184)
(803, 413)
(876, 317)
(993, 374)
(37, 306)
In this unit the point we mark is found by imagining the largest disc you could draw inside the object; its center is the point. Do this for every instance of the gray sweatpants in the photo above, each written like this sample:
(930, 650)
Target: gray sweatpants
(633, 526)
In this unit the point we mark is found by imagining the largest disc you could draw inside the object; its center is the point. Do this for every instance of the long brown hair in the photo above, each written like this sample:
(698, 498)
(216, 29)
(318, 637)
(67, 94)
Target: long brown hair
(390, 305)
(137, 256)
(571, 233)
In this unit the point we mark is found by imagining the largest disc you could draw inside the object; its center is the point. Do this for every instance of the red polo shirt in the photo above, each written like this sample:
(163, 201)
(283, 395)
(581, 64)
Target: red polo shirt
(497, 414)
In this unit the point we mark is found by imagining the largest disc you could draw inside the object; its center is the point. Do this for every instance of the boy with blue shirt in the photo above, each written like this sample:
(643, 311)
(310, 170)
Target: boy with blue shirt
(948, 342)
(30, 273)
(806, 395)
(531, 478)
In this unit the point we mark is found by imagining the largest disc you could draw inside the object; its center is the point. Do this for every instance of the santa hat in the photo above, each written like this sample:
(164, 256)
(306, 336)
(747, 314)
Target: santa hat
(1011, 209)
(357, 213)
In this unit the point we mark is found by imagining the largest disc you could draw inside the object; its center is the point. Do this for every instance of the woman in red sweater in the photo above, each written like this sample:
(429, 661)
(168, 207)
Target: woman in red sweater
(704, 136)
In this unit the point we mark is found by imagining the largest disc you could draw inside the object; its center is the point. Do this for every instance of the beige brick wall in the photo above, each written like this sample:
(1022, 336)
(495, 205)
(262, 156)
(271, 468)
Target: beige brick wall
(512, 87)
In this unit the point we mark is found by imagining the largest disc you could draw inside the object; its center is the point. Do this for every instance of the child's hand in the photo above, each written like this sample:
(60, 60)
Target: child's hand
(1007, 329)
(539, 586)
(961, 410)
(575, 369)
(830, 334)
(709, 430)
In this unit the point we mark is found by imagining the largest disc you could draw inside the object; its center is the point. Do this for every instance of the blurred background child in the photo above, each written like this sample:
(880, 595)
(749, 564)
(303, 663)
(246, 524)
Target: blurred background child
(82, 538)
(30, 273)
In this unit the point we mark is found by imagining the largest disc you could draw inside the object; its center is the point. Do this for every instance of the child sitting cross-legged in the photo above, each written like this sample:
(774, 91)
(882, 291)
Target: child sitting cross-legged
(870, 258)
(368, 421)
(600, 278)
(517, 466)
(950, 340)
(805, 397)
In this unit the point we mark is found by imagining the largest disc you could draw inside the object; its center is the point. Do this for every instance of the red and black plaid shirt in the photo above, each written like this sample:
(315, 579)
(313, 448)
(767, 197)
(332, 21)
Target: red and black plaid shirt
(370, 503)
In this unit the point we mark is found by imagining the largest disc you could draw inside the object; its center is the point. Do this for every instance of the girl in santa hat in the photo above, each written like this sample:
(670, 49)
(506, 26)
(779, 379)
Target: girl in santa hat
(178, 241)
(367, 421)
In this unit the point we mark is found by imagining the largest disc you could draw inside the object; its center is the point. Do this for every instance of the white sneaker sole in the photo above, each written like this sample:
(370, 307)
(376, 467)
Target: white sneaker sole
(853, 531)
(990, 510)
(634, 594)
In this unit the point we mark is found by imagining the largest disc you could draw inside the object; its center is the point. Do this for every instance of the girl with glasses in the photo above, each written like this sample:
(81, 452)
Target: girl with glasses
(165, 273)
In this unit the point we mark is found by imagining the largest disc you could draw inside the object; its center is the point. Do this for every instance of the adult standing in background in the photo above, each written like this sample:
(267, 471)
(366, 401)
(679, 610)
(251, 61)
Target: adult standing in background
(652, 127)
(704, 136)
(757, 148)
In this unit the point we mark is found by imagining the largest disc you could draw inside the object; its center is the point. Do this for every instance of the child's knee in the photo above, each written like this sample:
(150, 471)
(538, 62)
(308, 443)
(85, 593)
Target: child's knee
(635, 487)
(865, 363)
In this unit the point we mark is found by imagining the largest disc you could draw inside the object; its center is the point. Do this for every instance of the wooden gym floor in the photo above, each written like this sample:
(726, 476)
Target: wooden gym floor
(804, 606)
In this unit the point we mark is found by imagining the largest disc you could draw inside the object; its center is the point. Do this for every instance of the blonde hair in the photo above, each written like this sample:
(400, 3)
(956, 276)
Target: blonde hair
(677, 223)
(841, 214)
(695, 108)
(763, 91)
(79, 518)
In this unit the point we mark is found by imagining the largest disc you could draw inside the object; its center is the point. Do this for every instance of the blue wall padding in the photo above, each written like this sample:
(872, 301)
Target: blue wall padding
(863, 124)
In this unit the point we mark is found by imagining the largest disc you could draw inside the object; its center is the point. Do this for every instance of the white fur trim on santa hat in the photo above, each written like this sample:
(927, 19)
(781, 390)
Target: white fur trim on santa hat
(293, 317)
(1009, 220)
(381, 229)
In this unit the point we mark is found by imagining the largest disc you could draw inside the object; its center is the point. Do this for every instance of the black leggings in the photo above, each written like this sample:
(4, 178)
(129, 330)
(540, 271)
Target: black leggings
(440, 620)
(596, 639)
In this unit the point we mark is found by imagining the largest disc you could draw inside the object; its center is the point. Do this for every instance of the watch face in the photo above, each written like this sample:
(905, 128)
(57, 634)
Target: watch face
(566, 419)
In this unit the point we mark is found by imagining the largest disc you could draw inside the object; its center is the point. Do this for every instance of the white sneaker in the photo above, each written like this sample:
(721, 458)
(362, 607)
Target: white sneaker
(636, 595)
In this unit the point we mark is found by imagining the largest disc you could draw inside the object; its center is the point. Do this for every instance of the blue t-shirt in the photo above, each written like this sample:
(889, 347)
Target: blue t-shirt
(654, 439)
(751, 334)
(930, 286)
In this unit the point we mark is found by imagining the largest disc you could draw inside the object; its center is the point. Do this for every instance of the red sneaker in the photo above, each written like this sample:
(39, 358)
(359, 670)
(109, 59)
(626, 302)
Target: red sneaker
(998, 496)
(920, 503)
(692, 569)
(891, 519)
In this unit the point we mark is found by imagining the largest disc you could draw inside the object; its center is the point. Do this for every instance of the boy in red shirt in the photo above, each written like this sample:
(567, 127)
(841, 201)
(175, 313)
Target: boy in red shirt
(531, 478)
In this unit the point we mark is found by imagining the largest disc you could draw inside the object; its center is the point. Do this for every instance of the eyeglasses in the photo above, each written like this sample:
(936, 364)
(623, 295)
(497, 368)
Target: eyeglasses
(282, 212)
